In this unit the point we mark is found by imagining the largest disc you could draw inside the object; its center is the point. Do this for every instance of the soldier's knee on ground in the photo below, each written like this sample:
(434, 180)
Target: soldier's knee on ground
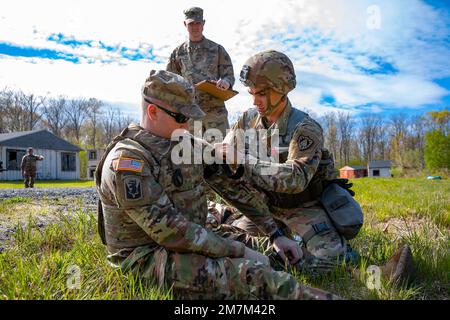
(326, 245)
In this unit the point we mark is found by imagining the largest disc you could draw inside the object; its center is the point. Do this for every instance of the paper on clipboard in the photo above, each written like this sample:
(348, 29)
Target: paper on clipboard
(210, 87)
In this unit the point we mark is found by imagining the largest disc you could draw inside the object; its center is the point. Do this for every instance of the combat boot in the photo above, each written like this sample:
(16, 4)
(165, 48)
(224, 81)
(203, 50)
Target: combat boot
(400, 266)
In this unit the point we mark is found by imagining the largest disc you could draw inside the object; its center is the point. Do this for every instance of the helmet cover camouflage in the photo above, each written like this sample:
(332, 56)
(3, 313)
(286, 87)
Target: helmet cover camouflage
(173, 90)
(269, 69)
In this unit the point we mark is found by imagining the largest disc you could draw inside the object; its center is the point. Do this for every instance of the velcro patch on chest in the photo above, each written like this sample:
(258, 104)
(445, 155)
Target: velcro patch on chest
(128, 164)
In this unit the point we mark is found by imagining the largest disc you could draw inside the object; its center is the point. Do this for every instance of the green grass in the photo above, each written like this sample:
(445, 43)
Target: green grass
(36, 264)
(39, 263)
(384, 198)
(50, 184)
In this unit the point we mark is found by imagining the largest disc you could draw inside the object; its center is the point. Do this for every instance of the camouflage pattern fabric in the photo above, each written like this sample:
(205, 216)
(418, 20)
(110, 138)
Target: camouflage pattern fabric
(193, 276)
(291, 193)
(193, 14)
(269, 69)
(174, 90)
(205, 60)
(29, 168)
(155, 216)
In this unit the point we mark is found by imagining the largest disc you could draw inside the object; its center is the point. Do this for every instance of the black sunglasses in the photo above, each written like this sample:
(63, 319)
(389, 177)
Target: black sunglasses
(179, 117)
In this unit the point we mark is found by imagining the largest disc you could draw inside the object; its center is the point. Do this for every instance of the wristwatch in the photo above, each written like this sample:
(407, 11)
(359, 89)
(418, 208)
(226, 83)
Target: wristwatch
(276, 234)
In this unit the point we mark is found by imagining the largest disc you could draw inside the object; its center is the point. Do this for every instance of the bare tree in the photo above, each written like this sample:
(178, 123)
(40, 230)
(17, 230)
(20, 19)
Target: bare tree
(371, 125)
(331, 133)
(3, 106)
(93, 111)
(31, 106)
(345, 125)
(399, 124)
(14, 116)
(77, 113)
(55, 114)
(108, 121)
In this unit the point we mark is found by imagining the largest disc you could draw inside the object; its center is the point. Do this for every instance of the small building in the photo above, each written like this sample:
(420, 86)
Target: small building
(380, 168)
(94, 156)
(61, 158)
(351, 172)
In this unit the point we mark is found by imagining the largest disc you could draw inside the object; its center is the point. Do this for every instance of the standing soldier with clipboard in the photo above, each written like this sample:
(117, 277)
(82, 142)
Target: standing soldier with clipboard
(200, 59)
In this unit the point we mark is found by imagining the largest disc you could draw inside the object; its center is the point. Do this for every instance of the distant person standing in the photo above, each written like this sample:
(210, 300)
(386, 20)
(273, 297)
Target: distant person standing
(29, 166)
(201, 59)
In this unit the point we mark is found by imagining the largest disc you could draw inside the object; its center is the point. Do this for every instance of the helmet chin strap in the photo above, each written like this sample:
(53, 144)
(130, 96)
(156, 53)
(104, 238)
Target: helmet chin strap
(271, 108)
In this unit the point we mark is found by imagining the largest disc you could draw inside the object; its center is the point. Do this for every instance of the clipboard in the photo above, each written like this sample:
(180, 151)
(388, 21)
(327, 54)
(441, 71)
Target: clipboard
(210, 87)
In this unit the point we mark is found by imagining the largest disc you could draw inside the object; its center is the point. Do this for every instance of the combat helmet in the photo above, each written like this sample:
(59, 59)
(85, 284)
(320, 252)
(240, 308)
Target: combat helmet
(269, 69)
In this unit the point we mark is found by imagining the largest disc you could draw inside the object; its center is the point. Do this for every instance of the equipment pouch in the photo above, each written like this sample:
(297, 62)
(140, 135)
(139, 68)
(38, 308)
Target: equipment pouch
(344, 212)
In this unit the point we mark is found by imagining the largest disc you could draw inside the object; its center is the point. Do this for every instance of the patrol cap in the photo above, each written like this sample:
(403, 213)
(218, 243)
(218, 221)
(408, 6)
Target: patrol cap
(173, 90)
(193, 14)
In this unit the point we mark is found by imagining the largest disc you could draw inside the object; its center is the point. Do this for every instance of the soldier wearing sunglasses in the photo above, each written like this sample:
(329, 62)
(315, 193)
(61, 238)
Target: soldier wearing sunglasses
(152, 211)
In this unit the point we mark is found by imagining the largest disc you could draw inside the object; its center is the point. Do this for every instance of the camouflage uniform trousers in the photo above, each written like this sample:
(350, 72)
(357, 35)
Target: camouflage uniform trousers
(216, 117)
(29, 177)
(194, 276)
(322, 251)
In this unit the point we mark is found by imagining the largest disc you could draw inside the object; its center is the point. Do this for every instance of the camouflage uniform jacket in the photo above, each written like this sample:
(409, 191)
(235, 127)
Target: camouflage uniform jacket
(29, 164)
(203, 60)
(147, 200)
(303, 164)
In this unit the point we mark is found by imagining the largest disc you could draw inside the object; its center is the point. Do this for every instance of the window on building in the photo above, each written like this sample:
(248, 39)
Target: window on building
(68, 161)
(14, 158)
(376, 173)
(92, 155)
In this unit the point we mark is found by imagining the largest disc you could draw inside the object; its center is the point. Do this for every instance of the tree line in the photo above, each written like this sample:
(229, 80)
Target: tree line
(86, 122)
(412, 142)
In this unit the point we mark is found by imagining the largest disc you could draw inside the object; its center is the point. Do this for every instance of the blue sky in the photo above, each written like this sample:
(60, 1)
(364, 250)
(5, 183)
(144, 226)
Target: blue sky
(357, 56)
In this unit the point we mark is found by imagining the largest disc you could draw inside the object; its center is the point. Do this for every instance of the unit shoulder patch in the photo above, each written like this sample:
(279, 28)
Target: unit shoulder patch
(304, 143)
(133, 189)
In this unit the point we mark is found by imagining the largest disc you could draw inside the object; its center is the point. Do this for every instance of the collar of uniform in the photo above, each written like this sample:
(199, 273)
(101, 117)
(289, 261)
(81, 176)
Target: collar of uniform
(197, 44)
(282, 121)
(280, 124)
(154, 143)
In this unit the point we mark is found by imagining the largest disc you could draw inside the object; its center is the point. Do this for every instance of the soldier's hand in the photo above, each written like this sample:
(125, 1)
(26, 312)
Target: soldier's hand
(255, 255)
(225, 151)
(222, 84)
(345, 184)
(287, 249)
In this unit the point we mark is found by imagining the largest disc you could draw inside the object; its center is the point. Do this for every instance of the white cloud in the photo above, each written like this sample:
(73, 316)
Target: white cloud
(333, 44)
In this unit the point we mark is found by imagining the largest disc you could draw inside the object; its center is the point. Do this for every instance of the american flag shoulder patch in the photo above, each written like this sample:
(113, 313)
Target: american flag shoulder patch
(128, 164)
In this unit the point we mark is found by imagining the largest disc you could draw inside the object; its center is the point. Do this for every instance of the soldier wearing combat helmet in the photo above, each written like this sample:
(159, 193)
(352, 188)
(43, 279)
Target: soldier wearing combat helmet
(153, 211)
(294, 192)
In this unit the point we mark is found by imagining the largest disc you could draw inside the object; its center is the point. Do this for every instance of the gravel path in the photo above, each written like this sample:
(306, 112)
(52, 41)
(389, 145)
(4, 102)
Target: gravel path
(88, 197)
(89, 194)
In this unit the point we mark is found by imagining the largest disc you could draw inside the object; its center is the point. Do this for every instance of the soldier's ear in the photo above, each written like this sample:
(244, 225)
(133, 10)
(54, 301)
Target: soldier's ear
(151, 112)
